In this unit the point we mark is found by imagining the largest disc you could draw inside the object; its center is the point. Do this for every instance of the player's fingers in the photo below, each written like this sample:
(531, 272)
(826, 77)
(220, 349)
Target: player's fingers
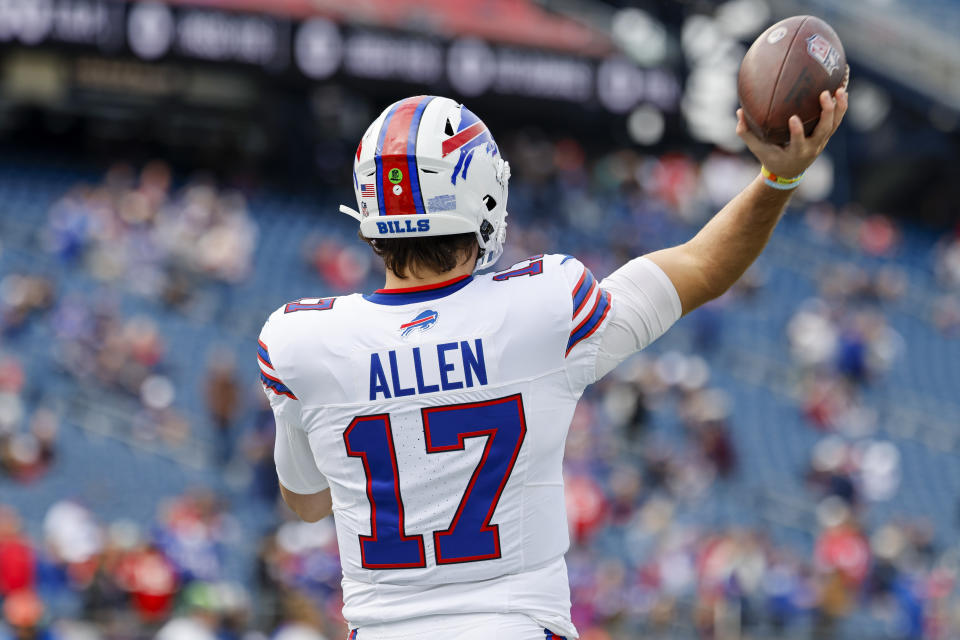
(843, 103)
(753, 142)
(796, 132)
(826, 126)
(741, 123)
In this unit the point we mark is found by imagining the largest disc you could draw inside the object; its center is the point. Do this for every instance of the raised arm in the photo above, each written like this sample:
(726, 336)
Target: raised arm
(708, 264)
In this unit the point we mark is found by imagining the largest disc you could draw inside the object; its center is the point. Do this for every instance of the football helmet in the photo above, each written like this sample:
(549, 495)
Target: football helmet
(429, 167)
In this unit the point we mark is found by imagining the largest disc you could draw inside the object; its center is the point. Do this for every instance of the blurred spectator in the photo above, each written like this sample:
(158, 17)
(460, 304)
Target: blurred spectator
(158, 419)
(223, 400)
(199, 621)
(11, 374)
(860, 345)
(24, 612)
(947, 263)
(879, 470)
(21, 296)
(150, 579)
(842, 558)
(17, 559)
(234, 611)
(258, 450)
(107, 591)
(705, 412)
(192, 530)
(946, 315)
(73, 540)
(832, 471)
(717, 446)
(585, 507)
(26, 456)
(302, 621)
(878, 235)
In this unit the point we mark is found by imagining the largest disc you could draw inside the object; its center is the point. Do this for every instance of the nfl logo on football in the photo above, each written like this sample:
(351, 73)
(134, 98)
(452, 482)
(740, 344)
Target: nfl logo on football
(823, 52)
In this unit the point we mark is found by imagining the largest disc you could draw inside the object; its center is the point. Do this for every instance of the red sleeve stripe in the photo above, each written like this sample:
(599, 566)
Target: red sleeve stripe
(592, 322)
(263, 353)
(264, 363)
(582, 291)
(583, 303)
(276, 386)
(267, 373)
(263, 374)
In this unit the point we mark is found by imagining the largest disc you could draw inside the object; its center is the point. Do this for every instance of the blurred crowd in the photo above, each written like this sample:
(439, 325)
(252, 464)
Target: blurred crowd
(651, 449)
(946, 312)
(136, 230)
(83, 579)
(27, 432)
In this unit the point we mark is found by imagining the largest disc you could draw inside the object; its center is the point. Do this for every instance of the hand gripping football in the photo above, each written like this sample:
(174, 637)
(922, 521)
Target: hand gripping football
(785, 71)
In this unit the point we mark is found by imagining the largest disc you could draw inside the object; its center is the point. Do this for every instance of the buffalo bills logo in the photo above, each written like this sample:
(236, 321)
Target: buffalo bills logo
(471, 135)
(423, 321)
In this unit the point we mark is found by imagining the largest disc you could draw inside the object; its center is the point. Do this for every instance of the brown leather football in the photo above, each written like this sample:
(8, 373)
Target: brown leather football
(784, 72)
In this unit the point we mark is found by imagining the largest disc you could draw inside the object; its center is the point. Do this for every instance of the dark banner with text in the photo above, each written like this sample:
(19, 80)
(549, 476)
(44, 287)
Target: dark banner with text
(319, 49)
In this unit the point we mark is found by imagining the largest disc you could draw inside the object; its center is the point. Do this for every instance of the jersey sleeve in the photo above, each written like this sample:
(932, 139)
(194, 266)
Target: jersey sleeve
(647, 305)
(615, 318)
(296, 467)
(590, 307)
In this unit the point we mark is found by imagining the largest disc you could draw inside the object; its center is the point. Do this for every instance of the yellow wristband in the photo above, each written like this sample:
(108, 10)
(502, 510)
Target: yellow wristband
(779, 182)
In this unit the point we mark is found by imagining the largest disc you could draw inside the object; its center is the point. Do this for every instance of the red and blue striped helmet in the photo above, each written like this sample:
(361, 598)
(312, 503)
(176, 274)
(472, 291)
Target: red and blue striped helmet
(430, 167)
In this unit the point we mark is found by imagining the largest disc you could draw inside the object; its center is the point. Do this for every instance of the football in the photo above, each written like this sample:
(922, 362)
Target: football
(785, 71)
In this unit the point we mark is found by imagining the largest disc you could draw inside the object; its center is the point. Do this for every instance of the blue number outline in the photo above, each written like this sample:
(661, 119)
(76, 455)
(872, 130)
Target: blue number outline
(322, 304)
(535, 268)
(374, 536)
(460, 445)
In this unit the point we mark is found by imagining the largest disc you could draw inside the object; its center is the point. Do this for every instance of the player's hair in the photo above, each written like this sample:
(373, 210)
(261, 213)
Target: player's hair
(433, 253)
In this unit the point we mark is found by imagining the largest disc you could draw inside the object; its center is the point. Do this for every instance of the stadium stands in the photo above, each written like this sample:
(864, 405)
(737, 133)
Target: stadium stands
(700, 474)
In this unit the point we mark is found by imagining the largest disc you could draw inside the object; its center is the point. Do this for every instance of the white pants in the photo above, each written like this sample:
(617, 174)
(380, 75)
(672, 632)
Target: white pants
(472, 626)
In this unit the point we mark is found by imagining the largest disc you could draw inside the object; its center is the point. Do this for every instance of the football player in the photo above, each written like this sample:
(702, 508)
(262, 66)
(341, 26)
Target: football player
(430, 416)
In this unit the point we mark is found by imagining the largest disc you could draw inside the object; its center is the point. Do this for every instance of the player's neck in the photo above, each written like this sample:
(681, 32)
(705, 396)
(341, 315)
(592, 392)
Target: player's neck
(425, 278)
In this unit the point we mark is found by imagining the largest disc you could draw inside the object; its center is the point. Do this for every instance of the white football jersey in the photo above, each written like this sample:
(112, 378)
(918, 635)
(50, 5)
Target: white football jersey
(437, 417)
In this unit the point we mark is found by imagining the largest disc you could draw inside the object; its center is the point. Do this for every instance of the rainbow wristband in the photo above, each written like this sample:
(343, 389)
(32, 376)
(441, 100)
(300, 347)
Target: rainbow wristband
(779, 182)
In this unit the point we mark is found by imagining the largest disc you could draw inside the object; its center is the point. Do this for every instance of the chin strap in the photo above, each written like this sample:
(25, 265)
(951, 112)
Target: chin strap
(353, 213)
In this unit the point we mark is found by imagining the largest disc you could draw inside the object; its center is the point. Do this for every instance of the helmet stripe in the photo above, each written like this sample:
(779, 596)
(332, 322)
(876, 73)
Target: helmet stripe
(378, 159)
(412, 155)
(452, 144)
(394, 171)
